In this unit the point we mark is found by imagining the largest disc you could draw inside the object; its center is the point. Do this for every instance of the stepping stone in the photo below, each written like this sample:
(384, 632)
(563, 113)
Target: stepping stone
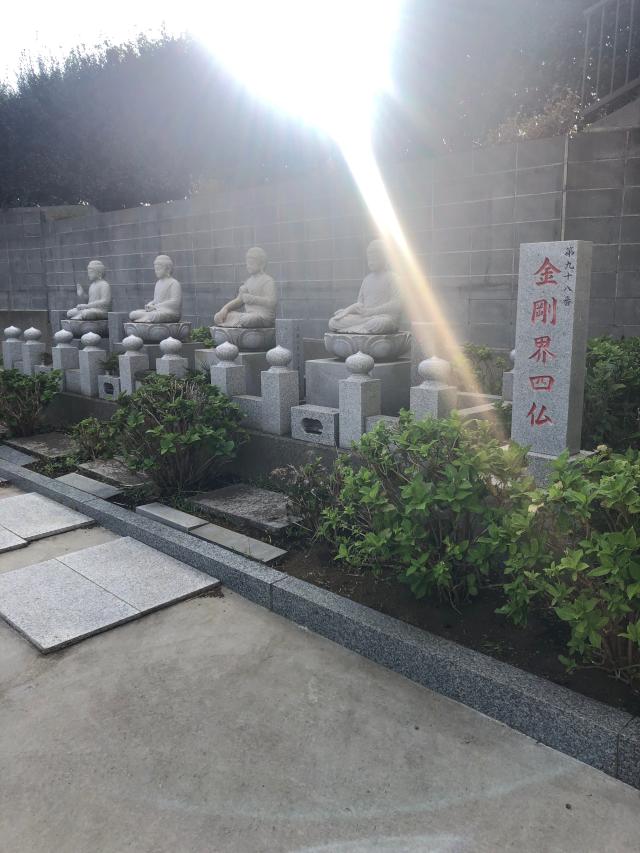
(138, 574)
(233, 541)
(49, 445)
(53, 606)
(244, 504)
(9, 541)
(114, 472)
(170, 516)
(8, 454)
(87, 484)
(34, 517)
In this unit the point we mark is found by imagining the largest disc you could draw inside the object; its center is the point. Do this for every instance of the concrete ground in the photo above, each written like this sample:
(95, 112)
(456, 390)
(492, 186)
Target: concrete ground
(215, 725)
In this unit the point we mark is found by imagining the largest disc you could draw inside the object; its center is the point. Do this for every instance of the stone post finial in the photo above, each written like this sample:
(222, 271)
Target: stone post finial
(279, 358)
(359, 364)
(435, 369)
(63, 338)
(170, 347)
(32, 334)
(12, 333)
(227, 352)
(132, 343)
(89, 340)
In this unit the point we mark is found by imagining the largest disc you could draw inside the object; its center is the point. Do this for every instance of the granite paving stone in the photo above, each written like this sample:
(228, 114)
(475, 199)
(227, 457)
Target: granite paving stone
(33, 516)
(89, 485)
(169, 515)
(9, 541)
(140, 575)
(49, 445)
(53, 606)
(252, 548)
(16, 457)
(245, 504)
(114, 472)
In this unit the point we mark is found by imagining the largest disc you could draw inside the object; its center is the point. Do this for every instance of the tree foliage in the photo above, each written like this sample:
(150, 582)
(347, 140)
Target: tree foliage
(151, 120)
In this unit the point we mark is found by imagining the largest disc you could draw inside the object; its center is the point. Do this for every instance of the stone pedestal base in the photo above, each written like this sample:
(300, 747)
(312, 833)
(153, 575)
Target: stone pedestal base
(108, 387)
(317, 424)
(380, 347)
(153, 333)
(78, 328)
(72, 381)
(247, 340)
(540, 465)
(323, 374)
(253, 362)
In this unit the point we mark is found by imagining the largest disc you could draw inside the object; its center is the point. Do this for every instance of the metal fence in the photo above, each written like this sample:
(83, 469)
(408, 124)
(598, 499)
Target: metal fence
(612, 53)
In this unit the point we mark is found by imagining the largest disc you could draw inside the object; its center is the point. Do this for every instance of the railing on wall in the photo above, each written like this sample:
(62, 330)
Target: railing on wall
(611, 54)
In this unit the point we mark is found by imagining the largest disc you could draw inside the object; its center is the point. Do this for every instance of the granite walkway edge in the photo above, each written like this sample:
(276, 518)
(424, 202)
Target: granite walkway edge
(582, 728)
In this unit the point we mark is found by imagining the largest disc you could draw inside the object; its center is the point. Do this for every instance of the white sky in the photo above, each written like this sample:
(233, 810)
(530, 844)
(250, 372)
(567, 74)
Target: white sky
(54, 27)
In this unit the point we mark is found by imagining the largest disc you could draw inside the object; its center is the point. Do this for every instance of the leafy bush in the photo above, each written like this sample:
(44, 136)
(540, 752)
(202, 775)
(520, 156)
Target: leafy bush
(24, 398)
(310, 488)
(576, 551)
(486, 365)
(419, 500)
(179, 431)
(202, 335)
(94, 439)
(612, 394)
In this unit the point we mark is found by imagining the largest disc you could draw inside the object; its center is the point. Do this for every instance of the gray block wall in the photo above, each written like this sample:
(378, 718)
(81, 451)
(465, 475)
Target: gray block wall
(465, 216)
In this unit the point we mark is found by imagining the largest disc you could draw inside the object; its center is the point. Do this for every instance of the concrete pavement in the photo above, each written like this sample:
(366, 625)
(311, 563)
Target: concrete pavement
(218, 726)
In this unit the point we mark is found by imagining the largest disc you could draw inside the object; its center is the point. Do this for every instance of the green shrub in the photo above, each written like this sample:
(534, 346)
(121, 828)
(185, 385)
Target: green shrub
(612, 394)
(418, 501)
(576, 551)
(94, 439)
(179, 431)
(486, 365)
(23, 399)
(202, 335)
(310, 488)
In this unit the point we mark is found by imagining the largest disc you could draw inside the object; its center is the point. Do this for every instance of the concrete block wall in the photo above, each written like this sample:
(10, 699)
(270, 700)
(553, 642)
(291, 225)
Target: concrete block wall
(465, 216)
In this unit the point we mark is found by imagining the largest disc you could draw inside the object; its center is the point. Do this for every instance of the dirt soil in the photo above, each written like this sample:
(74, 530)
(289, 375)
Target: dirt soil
(477, 625)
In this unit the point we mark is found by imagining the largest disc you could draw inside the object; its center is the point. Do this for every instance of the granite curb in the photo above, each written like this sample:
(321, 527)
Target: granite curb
(583, 728)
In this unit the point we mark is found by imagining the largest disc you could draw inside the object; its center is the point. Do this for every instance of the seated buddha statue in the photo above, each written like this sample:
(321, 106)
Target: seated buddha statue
(98, 298)
(377, 311)
(255, 305)
(166, 306)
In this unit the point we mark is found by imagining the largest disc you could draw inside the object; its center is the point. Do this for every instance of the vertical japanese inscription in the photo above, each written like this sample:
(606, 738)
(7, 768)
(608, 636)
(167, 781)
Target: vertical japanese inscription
(551, 332)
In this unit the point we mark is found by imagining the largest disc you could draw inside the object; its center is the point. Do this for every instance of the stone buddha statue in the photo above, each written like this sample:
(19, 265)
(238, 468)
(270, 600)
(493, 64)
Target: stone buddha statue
(255, 305)
(166, 306)
(378, 309)
(98, 298)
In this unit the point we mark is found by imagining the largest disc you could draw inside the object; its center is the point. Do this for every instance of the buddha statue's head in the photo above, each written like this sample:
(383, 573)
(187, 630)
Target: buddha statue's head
(95, 270)
(163, 266)
(256, 260)
(376, 256)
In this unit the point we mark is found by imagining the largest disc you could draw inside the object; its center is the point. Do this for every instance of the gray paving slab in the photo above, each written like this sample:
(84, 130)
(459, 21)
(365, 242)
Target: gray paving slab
(89, 485)
(246, 504)
(140, 575)
(9, 541)
(48, 445)
(33, 516)
(169, 515)
(16, 457)
(253, 548)
(53, 606)
(114, 472)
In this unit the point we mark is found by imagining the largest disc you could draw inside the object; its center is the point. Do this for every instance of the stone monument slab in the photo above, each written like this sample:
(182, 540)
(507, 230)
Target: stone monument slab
(245, 504)
(554, 286)
(324, 374)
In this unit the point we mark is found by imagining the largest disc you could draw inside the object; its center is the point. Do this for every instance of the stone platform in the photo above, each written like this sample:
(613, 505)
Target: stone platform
(153, 333)
(78, 328)
(379, 347)
(323, 374)
(247, 340)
